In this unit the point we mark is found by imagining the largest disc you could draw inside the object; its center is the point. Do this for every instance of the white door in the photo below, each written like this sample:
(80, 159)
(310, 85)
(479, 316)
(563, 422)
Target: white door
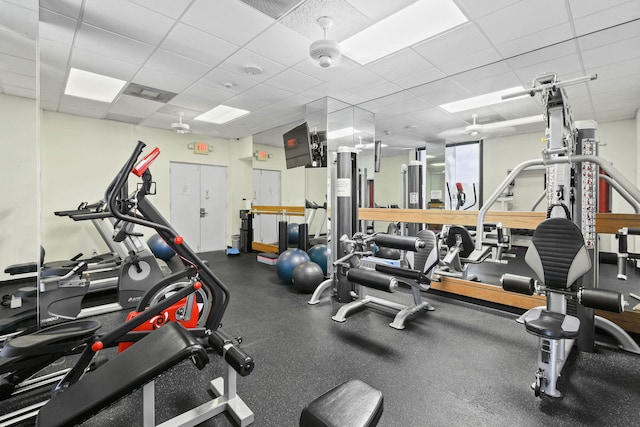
(266, 192)
(199, 205)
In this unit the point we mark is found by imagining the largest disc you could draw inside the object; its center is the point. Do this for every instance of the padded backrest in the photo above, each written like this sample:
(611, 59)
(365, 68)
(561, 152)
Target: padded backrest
(459, 233)
(427, 258)
(558, 255)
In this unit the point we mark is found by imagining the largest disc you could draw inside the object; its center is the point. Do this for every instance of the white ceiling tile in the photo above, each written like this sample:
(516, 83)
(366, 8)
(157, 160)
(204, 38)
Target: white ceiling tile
(610, 14)
(617, 70)
(133, 21)
(70, 8)
(478, 59)
(172, 111)
(134, 107)
(453, 45)
(51, 83)
(293, 81)
(477, 8)
(96, 63)
(54, 52)
(281, 44)
(420, 78)
(622, 85)
(57, 27)
(160, 80)
(521, 19)
(612, 53)
(265, 93)
(72, 101)
(15, 44)
(199, 45)
(244, 57)
(212, 95)
(171, 8)
(358, 80)
(191, 102)
(18, 80)
(517, 46)
(230, 20)
(443, 96)
(375, 11)
(613, 35)
(400, 64)
(410, 105)
(395, 98)
(79, 110)
(19, 19)
(218, 77)
(17, 65)
(337, 69)
(20, 91)
(480, 86)
(345, 95)
(543, 55)
(112, 45)
(523, 107)
(177, 65)
(380, 91)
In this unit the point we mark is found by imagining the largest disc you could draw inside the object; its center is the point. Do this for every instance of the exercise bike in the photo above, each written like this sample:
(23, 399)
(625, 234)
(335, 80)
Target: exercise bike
(191, 312)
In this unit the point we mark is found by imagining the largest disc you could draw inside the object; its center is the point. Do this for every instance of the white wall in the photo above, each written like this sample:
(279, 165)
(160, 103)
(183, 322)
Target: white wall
(79, 158)
(387, 182)
(19, 226)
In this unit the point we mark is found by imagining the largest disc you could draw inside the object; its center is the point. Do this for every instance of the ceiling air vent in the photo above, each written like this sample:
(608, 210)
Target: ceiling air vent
(150, 93)
(273, 8)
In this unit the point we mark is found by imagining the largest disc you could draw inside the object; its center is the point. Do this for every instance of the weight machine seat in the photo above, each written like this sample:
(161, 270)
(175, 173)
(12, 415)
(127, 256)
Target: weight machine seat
(351, 404)
(139, 364)
(467, 242)
(54, 339)
(551, 325)
(559, 257)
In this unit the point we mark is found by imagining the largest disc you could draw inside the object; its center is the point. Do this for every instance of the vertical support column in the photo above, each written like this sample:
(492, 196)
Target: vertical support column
(414, 193)
(586, 206)
(346, 213)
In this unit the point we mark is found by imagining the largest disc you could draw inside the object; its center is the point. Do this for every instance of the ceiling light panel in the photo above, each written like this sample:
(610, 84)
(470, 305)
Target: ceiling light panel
(221, 114)
(481, 100)
(415, 23)
(83, 84)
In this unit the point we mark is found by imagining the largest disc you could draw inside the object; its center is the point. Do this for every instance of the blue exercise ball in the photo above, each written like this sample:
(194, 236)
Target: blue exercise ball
(292, 232)
(388, 253)
(306, 277)
(159, 248)
(319, 255)
(287, 261)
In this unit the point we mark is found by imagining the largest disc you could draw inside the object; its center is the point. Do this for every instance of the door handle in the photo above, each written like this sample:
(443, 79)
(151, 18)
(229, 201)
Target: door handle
(203, 213)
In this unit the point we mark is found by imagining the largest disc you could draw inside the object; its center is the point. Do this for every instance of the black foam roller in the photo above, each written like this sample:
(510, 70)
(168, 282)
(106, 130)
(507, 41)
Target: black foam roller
(371, 279)
(283, 236)
(404, 243)
(398, 271)
(239, 360)
(602, 299)
(518, 284)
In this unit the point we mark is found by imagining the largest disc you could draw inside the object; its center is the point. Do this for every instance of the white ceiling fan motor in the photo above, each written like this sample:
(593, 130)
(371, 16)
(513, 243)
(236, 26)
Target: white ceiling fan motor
(180, 127)
(325, 51)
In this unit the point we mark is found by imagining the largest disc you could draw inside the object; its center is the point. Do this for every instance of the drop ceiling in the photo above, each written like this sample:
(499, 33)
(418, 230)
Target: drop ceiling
(199, 50)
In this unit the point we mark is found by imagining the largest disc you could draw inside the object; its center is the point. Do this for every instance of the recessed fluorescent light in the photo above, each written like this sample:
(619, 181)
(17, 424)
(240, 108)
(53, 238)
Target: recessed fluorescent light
(429, 156)
(482, 100)
(339, 133)
(369, 146)
(221, 114)
(437, 164)
(84, 84)
(415, 23)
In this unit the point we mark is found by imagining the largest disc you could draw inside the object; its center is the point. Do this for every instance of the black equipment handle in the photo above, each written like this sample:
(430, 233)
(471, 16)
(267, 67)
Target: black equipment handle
(518, 284)
(633, 231)
(372, 279)
(92, 215)
(242, 363)
(404, 243)
(601, 299)
(405, 273)
(563, 206)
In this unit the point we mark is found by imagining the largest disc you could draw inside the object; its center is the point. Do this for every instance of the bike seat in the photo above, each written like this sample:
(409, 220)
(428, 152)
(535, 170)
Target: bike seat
(52, 339)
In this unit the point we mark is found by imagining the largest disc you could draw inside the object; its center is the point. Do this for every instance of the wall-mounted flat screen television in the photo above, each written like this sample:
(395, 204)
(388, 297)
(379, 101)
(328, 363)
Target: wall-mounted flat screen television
(297, 146)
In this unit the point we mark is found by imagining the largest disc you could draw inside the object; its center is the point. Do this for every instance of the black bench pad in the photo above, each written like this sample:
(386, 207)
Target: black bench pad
(552, 325)
(136, 366)
(351, 404)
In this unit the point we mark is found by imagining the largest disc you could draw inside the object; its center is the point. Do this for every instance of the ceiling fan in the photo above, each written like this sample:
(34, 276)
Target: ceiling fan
(180, 127)
(478, 131)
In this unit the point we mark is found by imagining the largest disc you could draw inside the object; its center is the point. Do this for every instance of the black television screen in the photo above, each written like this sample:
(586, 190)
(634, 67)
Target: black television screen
(297, 146)
(376, 155)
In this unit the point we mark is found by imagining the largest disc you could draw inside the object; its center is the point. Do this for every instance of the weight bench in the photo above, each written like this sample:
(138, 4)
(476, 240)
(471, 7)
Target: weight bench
(351, 404)
(139, 364)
